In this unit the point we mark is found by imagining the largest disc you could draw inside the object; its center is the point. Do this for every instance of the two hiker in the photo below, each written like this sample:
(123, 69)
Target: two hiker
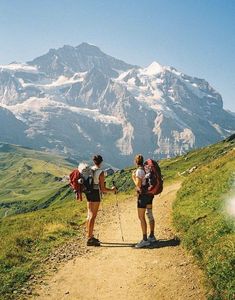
(145, 186)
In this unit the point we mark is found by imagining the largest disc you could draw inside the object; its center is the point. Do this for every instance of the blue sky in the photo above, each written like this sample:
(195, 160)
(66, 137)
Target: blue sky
(194, 36)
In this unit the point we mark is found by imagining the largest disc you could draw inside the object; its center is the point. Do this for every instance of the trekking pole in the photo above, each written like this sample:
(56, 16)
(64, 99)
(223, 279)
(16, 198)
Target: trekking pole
(119, 216)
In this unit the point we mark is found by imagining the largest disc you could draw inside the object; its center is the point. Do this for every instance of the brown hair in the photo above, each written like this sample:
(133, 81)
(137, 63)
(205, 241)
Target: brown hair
(97, 159)
(139, 160)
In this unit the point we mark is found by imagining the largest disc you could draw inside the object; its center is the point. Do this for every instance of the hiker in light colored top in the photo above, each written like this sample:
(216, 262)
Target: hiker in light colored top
(94, 198)
(144, 203)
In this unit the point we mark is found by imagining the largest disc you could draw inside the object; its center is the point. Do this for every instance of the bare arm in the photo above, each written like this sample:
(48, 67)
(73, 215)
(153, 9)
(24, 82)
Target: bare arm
(103, 187)
(137, 181)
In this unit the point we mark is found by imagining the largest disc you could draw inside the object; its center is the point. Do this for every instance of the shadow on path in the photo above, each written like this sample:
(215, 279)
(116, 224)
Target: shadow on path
(165, 243)
(158, 244)
(113, 244)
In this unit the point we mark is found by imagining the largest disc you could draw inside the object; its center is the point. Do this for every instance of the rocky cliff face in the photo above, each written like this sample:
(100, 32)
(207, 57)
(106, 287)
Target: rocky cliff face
(79, 101)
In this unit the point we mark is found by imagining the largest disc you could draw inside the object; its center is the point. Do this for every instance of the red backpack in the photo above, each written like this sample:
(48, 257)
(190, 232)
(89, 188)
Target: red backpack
(74, 177)
(153, 176)
(82, 182)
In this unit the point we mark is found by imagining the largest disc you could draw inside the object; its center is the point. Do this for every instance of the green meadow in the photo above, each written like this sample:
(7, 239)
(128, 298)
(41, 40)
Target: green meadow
(37, 212)
(205, 227)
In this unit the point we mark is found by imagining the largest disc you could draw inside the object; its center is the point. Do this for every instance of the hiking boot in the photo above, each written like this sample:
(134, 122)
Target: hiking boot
(142, 244)
(93, 242)
(97, 240)
(152, 239)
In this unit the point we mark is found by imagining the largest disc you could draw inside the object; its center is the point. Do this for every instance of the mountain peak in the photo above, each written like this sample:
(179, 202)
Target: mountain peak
(154, 68)
(68, 60)
(86, 45)
(89, 49)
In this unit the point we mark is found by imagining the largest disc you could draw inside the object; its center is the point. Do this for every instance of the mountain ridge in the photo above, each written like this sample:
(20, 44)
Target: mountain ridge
(79, 99)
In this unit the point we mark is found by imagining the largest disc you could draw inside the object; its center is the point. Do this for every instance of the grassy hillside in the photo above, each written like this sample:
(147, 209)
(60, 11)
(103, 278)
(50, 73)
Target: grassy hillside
(37, 212)
(201, 218)
(29, 180)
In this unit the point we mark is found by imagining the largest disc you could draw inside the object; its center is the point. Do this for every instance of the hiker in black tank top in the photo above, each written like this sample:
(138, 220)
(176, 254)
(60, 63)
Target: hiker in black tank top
(94, 198)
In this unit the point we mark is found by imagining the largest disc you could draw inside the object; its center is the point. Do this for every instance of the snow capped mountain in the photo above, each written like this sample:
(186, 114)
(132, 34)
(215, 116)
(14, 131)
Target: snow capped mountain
(69, 60)
(153, 69)
(79, 101)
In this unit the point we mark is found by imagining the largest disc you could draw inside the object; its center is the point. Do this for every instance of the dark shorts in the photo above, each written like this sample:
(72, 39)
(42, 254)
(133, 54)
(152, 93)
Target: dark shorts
(94, 196)
(144, 199)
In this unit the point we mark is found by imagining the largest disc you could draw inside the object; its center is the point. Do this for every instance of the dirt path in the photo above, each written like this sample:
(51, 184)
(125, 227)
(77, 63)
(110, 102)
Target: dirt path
(118, 271)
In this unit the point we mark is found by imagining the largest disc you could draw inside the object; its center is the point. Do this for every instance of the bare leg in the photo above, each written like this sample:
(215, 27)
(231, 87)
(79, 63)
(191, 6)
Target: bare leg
(92, 213)
(87, 218)
(141, 215)
(151, 222)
